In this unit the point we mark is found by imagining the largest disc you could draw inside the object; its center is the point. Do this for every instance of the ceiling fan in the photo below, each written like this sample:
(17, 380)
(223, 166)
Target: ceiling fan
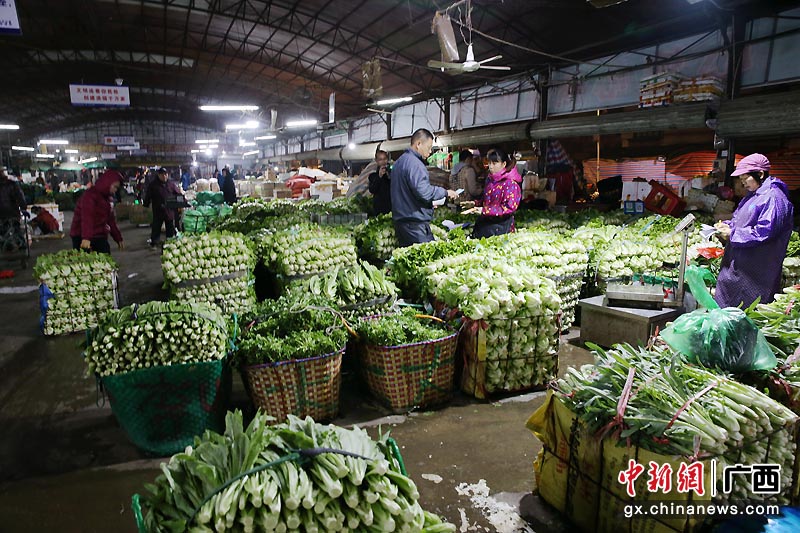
(469, 64)
(444, 29)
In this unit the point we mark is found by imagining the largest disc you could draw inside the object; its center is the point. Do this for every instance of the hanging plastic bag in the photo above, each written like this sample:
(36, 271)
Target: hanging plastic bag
(695, 277)
(720, 338)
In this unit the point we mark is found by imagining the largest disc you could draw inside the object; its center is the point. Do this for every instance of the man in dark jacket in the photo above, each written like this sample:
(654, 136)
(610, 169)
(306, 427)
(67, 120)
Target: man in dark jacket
(93, 218)
(380, 185)
(228, 187)
(157, 194)
(412, 192)
(12, 199)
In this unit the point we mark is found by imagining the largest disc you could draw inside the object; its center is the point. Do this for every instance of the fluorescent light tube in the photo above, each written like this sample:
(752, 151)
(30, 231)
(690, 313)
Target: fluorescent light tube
(228, 108)
(301, 123)
(390, 101)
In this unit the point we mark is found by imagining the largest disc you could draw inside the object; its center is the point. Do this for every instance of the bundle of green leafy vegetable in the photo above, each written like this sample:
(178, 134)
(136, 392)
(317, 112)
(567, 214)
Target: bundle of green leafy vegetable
(344, 205)
(156, 334)
(83, 286)
(398, 329)
(295, 326)
(779, 321)
(205, 256)
(253, 214)
(296, 476)
(306, 249)
(359, 290)
(679, 409)
(375, 238)
(552, 255)
(235, 295)
(520, 310)
(406, 264)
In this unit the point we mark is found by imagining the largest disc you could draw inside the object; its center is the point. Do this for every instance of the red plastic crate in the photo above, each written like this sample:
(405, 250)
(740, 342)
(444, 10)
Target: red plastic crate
(663, 200)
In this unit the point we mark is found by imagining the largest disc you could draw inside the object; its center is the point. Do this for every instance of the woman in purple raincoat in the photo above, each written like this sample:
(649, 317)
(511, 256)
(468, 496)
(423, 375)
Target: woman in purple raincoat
(757, 236)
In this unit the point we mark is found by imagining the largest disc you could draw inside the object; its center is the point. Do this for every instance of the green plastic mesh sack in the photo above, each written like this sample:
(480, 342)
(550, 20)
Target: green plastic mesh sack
(720, 338)
(163, 408)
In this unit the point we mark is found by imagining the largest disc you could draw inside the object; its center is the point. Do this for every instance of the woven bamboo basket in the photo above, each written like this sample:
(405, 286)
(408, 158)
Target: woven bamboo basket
(411, 376)
(301, 387)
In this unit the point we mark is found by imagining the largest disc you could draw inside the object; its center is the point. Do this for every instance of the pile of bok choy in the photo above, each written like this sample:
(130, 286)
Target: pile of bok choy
(156, 334)
(83, 286)
(296, 476)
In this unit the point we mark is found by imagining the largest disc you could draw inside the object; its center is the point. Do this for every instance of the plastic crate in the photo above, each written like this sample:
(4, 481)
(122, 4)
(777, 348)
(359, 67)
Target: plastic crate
(663, 200)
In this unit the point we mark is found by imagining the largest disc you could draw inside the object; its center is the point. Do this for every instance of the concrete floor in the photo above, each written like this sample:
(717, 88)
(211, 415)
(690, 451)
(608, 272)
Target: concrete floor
(66, 465)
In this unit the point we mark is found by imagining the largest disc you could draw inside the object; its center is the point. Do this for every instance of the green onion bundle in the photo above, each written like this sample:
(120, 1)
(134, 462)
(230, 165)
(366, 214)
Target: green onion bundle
(678, 409)
(83, 286)
(156, 334)
(296, 476)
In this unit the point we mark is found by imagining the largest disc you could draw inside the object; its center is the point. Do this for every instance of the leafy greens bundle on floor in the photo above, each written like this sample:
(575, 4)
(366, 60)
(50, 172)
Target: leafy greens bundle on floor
(296, 476)
(82, 286)
(156, 334)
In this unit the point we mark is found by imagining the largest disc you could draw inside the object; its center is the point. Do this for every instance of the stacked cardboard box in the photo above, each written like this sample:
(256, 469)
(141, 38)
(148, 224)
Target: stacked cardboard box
(658, 89)
(699, 89)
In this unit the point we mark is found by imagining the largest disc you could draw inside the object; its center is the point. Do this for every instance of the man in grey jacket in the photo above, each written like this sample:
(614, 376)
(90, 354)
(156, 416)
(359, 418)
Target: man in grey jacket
(412, 192)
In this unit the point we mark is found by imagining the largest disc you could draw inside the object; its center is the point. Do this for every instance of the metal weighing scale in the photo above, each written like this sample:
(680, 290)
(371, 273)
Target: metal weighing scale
(633, 313)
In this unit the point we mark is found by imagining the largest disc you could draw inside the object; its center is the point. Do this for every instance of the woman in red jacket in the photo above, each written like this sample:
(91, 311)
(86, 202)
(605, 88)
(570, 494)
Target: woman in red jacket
(501, 197)
(94, 218)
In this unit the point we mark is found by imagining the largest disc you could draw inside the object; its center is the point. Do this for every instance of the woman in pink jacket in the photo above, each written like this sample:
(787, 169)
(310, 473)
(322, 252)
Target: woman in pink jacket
(501, 197)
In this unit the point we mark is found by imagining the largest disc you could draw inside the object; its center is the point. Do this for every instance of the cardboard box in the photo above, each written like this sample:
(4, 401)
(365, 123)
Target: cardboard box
(635, 190)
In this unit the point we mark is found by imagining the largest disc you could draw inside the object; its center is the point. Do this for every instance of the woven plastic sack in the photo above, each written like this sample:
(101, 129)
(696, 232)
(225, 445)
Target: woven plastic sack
(194, 222)
(720, 338)
(163, 408)
(210, 198)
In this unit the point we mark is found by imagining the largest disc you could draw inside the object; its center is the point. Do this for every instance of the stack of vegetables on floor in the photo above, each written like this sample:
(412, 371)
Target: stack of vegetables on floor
(298, 475)
(76, 290)
(214, 268)
(163, 365)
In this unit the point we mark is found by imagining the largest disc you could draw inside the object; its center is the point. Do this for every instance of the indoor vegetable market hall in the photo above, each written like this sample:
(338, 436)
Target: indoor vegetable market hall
(400, 266)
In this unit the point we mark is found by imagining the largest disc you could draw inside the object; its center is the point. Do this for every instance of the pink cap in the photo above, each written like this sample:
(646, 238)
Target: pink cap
(752, 163)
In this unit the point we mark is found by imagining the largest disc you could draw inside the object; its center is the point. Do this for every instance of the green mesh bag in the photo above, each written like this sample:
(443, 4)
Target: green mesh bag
(163, 408)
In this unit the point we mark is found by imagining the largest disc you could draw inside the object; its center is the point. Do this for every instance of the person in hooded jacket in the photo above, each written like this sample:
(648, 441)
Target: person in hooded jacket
(93, 218)
(756, 237)
(501, 197)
